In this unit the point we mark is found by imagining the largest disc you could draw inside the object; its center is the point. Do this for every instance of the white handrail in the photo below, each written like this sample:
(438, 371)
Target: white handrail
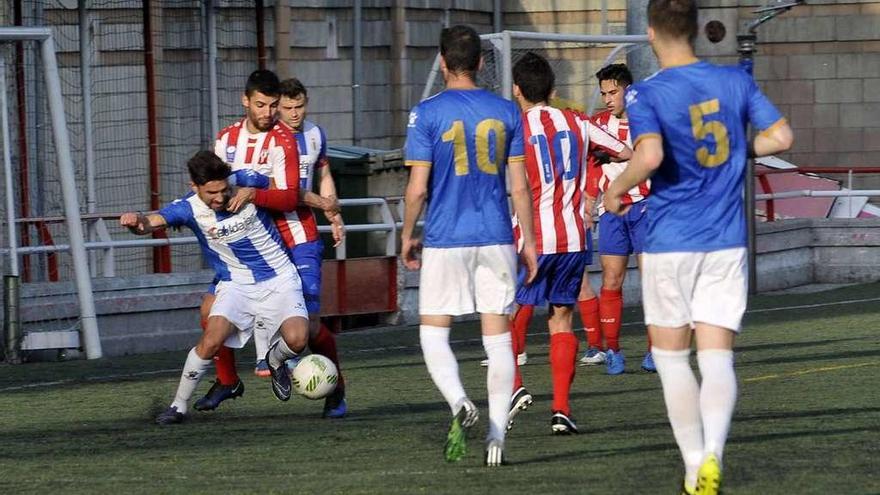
(804, 193)
(387, 224)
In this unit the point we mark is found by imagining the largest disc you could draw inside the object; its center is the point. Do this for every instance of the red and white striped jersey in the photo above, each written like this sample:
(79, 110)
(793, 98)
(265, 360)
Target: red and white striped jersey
(312, 145)
(607, 172)
(557, 143)
(273, 153)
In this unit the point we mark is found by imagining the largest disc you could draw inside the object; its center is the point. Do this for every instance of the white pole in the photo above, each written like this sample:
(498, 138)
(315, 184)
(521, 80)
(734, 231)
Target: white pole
(89, 329)
(507, 67)
(7, 172)
(432, 76)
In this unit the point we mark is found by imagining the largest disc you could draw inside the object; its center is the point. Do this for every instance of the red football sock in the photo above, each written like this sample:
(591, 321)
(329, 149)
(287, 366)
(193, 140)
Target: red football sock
(520, 327)
(649, 342)
(610, 310)
(590, 317)
(324, 343)
(563, 352)
(224, 363)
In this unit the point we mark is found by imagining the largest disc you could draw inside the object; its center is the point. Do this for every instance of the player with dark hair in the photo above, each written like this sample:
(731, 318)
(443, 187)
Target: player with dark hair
(618, 236)
(689, 128)
(257, 281)
(303, 240)
(253, 143)
(556, 146)
(460, 144)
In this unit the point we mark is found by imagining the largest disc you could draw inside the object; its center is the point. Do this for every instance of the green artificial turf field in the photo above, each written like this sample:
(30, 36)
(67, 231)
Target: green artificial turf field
(807, 420)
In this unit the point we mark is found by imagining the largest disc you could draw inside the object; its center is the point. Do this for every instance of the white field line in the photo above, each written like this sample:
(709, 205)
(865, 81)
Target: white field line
(467, 341)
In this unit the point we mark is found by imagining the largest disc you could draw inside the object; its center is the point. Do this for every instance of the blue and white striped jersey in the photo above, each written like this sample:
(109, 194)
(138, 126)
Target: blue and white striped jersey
(243, 247)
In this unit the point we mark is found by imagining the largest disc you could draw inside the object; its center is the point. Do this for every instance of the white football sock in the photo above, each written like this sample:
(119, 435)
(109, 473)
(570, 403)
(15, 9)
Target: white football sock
(280, 352)
(681, 392)
(193, 371)
(499, 382)
(717, 397)
(441, 363)
(262, 335)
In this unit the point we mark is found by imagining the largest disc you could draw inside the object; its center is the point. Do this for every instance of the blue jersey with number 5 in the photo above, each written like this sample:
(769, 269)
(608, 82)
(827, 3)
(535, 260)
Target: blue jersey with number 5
(701, 111)
(467, 137)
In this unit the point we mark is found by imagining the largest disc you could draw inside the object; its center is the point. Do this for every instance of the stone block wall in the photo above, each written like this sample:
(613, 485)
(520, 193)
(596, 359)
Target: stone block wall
(820, 63)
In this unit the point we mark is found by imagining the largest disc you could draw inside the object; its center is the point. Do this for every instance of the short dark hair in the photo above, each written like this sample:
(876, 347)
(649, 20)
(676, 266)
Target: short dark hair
(618, 73)
(205, 167)
(534, 76)
(675, 18)
(264, 81)
(293, 87)
(460, 48)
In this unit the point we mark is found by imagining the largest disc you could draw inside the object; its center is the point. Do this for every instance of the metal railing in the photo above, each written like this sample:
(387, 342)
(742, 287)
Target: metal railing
(105, 243)
(770, 197)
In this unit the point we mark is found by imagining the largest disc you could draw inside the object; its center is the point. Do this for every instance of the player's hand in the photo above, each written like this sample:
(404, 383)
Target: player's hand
(242, 197)
(330, 205)
(601, 156)
(588, 220)
(135, 222)
(337, 228)
(410, 247)
(529, 259)
(614, 203)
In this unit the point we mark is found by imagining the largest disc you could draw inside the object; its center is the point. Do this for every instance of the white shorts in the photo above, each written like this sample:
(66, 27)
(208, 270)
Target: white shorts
(462, 280)
(262, 304)
(681, 289)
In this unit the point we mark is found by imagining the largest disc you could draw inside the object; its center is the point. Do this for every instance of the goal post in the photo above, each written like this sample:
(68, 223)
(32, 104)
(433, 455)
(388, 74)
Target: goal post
(574, 58)
(89, 336)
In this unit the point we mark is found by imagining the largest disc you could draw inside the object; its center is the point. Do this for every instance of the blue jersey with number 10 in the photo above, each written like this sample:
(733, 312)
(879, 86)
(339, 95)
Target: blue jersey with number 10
(701, 112)
(467, 137)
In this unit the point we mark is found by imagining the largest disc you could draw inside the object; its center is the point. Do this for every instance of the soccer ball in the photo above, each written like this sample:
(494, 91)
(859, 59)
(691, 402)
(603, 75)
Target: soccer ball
(314, 377)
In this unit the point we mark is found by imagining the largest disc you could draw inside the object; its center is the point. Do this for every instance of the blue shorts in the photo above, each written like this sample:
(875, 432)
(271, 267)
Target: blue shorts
(558, 280)
(307, 258)
(623, 236)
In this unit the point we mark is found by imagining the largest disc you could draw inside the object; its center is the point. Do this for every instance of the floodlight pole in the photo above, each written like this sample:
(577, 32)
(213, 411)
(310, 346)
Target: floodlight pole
(747, 49)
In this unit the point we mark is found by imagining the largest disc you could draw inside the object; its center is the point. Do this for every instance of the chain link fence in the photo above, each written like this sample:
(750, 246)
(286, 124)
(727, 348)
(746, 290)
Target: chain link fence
(129, 87)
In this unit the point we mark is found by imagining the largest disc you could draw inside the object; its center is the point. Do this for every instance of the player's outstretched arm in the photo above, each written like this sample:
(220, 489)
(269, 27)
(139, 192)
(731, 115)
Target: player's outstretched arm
(775, 139)
(140, 224)
(414, 201)
(645, 160)
(522, 206)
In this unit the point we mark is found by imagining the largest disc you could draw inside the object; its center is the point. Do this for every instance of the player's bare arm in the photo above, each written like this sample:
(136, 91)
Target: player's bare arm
(141, 224)
(645, 160)
(414, 201)
(623, 156)
(589, 207)
(775, 139)
(329, 205)
(327, 189)
(522, 205)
